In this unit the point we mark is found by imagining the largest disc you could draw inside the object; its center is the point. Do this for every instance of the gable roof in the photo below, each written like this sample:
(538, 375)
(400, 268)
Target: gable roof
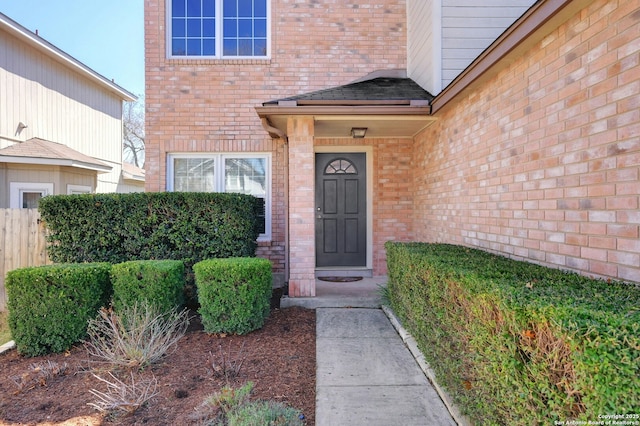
(386, 103)
(374, 91)
(34, 40)
(43, 152)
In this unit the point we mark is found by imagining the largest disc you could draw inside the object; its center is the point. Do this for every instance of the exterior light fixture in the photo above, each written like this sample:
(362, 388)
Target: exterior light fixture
(358, 132)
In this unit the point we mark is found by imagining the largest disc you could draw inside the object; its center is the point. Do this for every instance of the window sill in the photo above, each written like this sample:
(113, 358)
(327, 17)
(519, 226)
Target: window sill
(264, 241)
(213, 61)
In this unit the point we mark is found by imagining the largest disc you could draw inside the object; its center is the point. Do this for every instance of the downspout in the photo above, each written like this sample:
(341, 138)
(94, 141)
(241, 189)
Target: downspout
(279, 134)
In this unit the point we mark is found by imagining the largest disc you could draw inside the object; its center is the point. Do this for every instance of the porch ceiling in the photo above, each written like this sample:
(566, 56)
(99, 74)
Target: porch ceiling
(378, 126)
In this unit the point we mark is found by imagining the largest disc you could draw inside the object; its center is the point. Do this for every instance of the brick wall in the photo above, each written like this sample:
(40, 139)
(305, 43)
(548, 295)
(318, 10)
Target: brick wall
(393, 200)
(315, 45)
(208, 105)
(543, 161)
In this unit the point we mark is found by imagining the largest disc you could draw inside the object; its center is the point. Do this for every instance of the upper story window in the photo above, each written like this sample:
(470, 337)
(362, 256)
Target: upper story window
(219, 28)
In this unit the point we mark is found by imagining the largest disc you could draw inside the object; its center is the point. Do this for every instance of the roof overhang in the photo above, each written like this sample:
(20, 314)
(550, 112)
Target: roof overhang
(132, 173)
(336, 121)
(48, 49)
(333, 119)
(41, 152)
(95, 166)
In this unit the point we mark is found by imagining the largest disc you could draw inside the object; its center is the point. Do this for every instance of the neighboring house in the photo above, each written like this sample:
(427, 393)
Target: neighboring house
(362, 122)
(60, 123)
(132, 178)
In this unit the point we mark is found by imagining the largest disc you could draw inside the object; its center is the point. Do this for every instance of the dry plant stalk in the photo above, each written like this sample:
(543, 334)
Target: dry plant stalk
(225, 365)
(542, 343)
(121, 396)
(136, 336)
(39, 374)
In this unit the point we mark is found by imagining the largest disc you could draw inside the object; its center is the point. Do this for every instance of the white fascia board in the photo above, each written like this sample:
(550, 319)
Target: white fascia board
(55, 162)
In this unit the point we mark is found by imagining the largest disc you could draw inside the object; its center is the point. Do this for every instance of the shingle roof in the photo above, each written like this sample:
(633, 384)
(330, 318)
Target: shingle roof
(381, 89)
(50, 153)
(132, 172)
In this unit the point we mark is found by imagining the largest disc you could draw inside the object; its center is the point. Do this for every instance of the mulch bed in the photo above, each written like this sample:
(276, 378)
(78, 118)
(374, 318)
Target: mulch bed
(280, 359)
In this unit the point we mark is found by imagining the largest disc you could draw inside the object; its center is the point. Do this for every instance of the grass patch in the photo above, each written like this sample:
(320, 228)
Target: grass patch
(5, 332)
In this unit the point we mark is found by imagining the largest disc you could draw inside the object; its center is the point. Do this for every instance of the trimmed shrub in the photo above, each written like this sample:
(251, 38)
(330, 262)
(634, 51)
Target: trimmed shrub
(187, 226)
(234, 294)
(517, 343)
(115, 228)
(50, 306)
(157, 282)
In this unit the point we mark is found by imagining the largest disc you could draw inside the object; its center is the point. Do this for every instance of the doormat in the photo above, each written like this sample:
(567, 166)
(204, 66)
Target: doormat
(340, 279)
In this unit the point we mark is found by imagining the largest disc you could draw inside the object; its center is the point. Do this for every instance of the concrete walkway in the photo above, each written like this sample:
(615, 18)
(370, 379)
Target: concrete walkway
(365, 373)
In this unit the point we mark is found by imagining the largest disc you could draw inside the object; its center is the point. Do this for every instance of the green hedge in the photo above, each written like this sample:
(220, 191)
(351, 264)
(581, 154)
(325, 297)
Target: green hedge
(158, 282)
(517, 343)
(234, 294)
(49, 306)
(117, 228)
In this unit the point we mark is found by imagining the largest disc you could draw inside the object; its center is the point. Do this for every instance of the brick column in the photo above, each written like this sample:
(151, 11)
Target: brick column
(302, 261)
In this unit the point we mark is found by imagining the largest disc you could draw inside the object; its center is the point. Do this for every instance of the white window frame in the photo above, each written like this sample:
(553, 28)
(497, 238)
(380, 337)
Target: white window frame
(17, 189)
(78, 189)
(218, 36)
(219, 177)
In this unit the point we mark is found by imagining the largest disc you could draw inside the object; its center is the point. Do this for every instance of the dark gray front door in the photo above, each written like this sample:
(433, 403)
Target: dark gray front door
(341, 216)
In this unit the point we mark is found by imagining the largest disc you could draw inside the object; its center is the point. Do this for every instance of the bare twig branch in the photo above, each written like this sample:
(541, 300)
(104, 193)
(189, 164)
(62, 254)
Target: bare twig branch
(121, 396)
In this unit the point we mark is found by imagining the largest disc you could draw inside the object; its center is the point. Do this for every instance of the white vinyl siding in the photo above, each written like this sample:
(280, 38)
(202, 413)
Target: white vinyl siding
(470, 26)
(424, 40)
(445, 36)
(59, 105)
(30, 173)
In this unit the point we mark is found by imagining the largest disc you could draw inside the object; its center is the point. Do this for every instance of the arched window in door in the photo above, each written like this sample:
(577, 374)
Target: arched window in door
(340, 166)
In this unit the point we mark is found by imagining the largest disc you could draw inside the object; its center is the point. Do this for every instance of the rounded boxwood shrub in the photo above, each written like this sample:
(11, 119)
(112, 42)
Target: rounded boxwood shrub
(234, 294)
(159, 283)
(50, 306)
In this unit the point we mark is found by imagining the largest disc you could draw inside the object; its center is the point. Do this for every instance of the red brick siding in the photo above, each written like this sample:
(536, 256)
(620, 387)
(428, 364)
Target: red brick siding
(543, 161)
(301, 207)
(208, 105)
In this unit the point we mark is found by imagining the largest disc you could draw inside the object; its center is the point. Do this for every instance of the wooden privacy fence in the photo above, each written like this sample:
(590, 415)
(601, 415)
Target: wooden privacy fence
(22, 244)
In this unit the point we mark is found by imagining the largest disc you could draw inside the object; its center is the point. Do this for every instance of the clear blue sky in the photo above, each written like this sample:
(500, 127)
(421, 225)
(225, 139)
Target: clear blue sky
(105, 35)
